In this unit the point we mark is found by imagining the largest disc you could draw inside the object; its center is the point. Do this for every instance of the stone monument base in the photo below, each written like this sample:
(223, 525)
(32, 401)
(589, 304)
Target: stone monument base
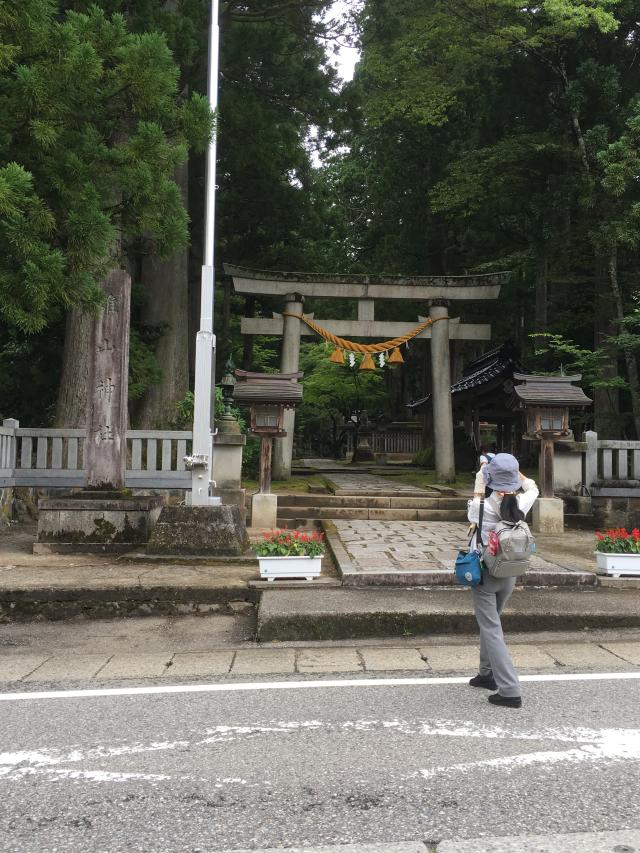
(233, 496)
(95, 522)
(363, 451)
(264, 511)
(199, 531)
(548, 515)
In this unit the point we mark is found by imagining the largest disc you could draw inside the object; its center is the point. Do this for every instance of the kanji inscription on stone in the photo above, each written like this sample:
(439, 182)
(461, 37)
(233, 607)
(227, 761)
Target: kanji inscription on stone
(106, 444)
(105, 388)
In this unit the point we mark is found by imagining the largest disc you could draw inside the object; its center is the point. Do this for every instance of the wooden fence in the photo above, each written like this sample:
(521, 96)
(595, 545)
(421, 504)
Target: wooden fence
(392, 442)
(54, 458)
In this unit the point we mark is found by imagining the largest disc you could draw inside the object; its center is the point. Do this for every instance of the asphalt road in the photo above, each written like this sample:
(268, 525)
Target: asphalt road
(320, 765)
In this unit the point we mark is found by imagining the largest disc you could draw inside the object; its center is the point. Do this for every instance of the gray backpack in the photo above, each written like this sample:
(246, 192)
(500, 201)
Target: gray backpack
(515, 547)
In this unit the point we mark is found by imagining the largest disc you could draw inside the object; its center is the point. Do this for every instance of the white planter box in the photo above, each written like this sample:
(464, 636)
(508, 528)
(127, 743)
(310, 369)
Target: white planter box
(290, 567)
(618, 564)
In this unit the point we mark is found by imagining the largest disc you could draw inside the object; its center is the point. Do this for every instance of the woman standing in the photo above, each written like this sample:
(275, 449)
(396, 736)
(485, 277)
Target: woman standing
(512, 496)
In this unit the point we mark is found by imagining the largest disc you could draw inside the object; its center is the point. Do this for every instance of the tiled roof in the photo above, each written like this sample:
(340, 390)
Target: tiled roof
(267, 387)
(550, 390)
(500, 361)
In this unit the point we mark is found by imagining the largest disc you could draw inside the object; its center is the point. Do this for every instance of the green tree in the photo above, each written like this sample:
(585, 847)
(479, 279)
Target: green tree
(334, 396)
(93, 130)
(483, 141)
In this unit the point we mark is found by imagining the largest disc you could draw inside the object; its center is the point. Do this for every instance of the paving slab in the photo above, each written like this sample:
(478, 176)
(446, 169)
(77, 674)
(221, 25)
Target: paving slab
(402, 847)
(264, 661)
(68, 667)
(451, 658)
(627, 651)
(328, 660)
(624, 841)
(19, 666)
(135, 666)
(194, 664)
(390, 659)
(589, 656)
(532, 657)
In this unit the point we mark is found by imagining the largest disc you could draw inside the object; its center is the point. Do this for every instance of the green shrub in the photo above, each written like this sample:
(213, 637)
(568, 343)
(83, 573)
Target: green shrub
(425, 458)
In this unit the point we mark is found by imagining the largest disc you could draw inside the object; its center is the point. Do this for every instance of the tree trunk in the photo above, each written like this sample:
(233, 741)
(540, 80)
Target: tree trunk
(166, 284)
(606, 401)
(629, 356)
(72, 404)
(542, 288)
(575, 121)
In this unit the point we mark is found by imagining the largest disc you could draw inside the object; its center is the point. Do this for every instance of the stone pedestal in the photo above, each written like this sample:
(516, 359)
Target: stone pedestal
(227, 466)
(363, 452)
(95, 522)
(264, 511)
(216, 531)
(548, 515)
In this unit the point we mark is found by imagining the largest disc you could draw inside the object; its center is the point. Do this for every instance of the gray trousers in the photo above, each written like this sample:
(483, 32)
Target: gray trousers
(488, 601)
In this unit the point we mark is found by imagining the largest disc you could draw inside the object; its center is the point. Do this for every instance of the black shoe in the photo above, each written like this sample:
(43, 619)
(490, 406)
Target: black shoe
(506, 701)
(485, 681)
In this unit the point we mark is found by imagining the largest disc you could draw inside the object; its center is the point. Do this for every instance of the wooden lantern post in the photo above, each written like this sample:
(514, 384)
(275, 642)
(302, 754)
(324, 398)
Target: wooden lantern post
(268, 396)
(546, 402)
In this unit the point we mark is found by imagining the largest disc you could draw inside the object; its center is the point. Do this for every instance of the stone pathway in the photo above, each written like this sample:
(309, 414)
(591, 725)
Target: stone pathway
(419, 552)
(356, 483)
(402, 545)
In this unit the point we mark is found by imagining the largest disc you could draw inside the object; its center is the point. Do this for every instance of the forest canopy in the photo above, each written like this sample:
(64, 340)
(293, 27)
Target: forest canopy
(474, 137)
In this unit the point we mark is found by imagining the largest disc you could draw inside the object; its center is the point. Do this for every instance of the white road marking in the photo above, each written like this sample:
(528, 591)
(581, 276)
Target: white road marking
(579, 745)
(231, 687)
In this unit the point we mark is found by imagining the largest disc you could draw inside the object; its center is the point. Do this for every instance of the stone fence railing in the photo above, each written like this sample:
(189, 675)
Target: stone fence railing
(54, 458)
(611, 468)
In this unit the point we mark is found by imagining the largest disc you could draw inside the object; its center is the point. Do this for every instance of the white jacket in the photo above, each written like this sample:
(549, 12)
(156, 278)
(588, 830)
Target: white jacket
(491, 518)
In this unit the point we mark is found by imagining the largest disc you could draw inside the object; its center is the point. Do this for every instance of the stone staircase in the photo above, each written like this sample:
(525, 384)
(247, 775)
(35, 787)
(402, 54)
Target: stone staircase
(295, 510)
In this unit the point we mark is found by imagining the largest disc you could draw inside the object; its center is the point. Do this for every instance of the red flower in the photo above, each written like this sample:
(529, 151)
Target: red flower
(599, 537)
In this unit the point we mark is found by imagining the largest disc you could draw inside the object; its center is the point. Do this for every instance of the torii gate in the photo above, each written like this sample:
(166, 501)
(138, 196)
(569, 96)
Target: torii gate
(436, 291)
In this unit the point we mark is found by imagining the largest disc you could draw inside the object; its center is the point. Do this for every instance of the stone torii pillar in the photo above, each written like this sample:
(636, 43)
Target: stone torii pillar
(441, 385)
(283, 447)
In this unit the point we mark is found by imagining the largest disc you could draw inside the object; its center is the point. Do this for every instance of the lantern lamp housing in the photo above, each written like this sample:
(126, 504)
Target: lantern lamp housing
(268, 395)
(546, 402)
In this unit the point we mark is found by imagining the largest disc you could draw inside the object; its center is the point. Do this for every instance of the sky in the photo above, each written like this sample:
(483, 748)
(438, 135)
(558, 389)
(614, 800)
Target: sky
(346, 58)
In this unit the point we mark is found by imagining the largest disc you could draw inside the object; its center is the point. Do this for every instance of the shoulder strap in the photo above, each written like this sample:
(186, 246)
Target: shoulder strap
(480, 517)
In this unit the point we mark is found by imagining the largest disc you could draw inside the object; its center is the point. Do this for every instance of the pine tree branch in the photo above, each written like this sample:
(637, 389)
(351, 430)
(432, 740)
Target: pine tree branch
(231, 11)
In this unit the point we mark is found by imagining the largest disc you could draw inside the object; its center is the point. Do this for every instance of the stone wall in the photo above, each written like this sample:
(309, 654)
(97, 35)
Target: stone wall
(616, 512)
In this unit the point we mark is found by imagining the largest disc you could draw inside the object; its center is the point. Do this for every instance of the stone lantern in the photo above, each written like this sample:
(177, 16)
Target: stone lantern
(268, 396)
(545, 402)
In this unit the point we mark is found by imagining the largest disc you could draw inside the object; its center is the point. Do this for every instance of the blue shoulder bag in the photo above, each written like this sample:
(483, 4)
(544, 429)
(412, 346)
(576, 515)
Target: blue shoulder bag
(468, 567)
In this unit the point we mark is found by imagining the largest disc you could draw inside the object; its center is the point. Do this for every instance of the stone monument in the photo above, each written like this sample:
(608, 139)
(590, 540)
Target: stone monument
(104, 516)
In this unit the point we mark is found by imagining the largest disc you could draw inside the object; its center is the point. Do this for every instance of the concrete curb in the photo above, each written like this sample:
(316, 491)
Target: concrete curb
(348, 614)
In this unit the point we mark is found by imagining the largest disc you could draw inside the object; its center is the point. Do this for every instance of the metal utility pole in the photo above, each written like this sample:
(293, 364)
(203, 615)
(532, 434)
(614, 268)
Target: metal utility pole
(204, 399)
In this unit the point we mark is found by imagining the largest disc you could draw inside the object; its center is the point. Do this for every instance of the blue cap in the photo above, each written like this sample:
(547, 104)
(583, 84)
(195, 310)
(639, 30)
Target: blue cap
(502, 474)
